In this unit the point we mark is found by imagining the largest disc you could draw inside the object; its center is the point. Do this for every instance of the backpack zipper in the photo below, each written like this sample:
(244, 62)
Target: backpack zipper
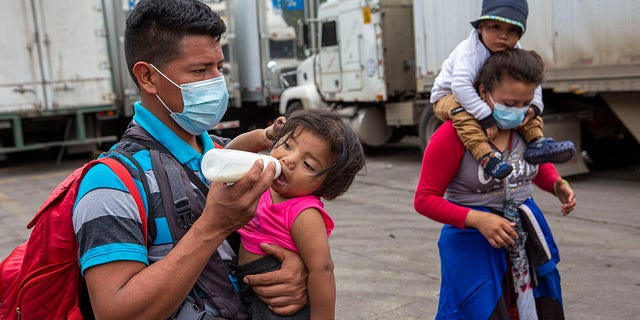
(32, 279)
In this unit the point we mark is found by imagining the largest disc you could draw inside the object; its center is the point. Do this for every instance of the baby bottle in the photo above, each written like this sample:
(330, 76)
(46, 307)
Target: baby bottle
(227, 165)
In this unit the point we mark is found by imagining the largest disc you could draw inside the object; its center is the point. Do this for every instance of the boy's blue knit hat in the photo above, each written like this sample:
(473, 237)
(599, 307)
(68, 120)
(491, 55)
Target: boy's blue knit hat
(514, 12)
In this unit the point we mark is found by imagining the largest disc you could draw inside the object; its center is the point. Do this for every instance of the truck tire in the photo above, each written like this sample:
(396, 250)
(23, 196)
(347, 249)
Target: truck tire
(428, 125)
(370, 126)
(293, 106)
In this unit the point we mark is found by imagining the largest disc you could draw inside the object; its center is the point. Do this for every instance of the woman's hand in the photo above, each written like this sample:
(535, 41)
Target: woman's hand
(498, 230)
(566, 195)
(283, 290)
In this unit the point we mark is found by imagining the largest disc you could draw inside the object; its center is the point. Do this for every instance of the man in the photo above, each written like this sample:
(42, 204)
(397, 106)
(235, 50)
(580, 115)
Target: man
(174, 55)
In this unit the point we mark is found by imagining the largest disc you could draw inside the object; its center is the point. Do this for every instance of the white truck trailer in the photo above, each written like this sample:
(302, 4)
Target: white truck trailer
(260, 61)
(374, 62)
(64, 80)
(58, 81)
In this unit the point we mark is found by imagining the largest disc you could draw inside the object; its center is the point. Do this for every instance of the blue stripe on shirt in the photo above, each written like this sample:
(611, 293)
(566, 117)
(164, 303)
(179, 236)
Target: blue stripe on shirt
(113, 252)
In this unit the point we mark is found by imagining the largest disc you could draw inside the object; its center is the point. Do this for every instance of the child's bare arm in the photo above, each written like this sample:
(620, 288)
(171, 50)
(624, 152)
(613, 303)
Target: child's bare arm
(259, 139)
(310, 236)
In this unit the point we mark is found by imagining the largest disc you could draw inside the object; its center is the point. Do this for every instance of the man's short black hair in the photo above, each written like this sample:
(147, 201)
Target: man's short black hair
(155, 28)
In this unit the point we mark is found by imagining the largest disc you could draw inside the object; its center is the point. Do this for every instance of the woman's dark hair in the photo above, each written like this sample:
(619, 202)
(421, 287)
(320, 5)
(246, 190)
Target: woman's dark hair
(514, 64)
(343, 145)
(155, 28)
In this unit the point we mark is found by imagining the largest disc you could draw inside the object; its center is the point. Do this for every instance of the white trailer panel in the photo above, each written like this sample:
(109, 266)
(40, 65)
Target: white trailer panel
(251, 31)
(433, 41)
(587, 45)
(61, 60)
(19, 67)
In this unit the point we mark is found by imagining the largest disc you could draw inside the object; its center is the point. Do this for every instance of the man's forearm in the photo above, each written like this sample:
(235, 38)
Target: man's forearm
(156, 291)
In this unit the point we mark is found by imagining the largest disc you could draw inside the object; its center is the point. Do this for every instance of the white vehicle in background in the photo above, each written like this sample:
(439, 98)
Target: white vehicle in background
(62, 75)
(374, 62)
(64, 81)
(260, 60)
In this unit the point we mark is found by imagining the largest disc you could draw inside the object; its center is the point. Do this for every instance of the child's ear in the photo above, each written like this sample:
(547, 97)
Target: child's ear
(482, 92)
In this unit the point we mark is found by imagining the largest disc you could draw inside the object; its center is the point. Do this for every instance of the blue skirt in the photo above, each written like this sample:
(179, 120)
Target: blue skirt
(472, 270)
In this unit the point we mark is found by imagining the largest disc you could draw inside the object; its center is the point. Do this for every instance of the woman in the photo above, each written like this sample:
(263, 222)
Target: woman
(482, 253)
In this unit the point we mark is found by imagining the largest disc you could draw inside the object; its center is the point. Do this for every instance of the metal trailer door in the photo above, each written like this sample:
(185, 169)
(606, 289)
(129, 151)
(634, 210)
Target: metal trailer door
(54, 56)
(225, 9)
(20, 72)
(251, 44)
(439, 26)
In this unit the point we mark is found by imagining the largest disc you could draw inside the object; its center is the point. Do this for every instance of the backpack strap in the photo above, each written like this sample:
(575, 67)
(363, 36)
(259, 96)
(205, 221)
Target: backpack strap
(184, 185)
(172, 178)
(123, 174)
(218, 142)
(124, 151)
(126, 176)
(136, 134)
(155, 145)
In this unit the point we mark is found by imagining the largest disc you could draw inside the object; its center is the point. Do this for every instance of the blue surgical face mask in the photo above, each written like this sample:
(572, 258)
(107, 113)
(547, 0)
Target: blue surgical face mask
(508, 117)
(205, 102)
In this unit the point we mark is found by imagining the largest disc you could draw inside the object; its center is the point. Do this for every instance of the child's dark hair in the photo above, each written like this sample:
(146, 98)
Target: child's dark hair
(155, 28)
(515, 64)
(343, 145)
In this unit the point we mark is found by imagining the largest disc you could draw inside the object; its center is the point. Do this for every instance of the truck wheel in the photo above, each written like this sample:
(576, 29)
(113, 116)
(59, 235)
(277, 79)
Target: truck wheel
(293, 106)
(428, 125)
(3, 156)
(371, 127)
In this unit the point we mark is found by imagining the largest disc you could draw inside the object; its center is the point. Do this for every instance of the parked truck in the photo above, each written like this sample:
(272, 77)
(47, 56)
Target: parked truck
(374, 62)
(260, 61)
(57, 79)
(64, 81)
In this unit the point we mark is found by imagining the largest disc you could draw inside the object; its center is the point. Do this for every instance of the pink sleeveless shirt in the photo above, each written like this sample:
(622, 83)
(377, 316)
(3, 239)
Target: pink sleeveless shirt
(273, 222)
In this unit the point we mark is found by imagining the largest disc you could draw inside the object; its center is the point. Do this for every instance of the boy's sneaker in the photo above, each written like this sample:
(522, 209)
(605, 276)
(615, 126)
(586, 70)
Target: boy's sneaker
(548, 150)
(495, 167)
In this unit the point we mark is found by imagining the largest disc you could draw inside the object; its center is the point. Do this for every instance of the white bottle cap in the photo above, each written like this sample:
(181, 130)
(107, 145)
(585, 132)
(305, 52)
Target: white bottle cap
(227, 165)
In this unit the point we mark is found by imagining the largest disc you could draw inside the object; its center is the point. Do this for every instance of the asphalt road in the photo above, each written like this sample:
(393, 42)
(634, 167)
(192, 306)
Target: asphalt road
(385, 254)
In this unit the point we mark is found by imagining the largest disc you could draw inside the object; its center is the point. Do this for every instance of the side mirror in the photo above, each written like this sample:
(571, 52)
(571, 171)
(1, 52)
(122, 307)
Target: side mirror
(305, 35)
(302, 36)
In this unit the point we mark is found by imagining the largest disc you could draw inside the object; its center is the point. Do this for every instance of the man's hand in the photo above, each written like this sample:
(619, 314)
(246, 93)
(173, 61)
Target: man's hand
(491, 132)
(496, 229)
(230, 206)
(156, 291)
(283, 290)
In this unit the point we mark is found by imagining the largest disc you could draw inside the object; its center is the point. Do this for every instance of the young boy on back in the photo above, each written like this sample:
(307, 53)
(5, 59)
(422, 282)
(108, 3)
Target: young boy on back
(500, 26)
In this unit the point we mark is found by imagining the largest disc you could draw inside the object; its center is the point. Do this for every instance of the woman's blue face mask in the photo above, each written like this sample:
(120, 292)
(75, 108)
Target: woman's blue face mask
(205, 102)
(508, 117)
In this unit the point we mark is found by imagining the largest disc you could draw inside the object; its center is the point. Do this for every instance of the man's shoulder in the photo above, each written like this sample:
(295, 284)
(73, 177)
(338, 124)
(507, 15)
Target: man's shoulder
(100, 176)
